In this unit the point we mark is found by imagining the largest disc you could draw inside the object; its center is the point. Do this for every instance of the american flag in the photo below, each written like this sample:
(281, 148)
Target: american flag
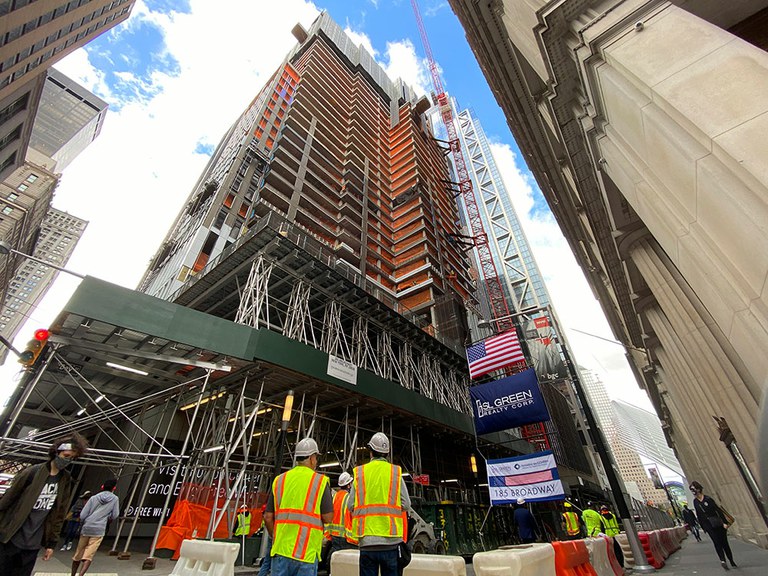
(494, 353)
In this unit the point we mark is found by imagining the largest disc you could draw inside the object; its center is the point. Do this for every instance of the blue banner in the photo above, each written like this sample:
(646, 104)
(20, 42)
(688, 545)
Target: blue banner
(508, 403)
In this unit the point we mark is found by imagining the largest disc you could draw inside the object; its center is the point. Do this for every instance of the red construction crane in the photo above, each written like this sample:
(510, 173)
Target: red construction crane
(490, 276)
(534, 433)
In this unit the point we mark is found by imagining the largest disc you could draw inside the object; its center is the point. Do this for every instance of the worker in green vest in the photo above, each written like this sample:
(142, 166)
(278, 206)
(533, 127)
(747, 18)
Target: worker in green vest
(299, 504)
(570, 522)
(243, 526)
(592, 520)
(609, 521)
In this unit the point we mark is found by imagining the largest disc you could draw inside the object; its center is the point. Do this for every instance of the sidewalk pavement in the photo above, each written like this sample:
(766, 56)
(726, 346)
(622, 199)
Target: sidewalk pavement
(695, 558)
(700, 558)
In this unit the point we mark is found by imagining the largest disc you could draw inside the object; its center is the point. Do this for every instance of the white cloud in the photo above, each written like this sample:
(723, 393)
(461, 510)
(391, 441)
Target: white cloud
(134, 178)
(569, 291)
(361, 39)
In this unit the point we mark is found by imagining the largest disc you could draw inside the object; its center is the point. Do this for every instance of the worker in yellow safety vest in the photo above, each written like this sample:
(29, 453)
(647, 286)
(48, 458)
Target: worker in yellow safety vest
(377, 501)
(570, 522)
(243, 526)
(609, 521)
(592, 520)
(299, 504)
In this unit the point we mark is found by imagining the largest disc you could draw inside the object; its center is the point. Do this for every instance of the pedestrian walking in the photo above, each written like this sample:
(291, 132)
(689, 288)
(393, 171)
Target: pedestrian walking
(714, 521)
(690, 519)
(32, 510)
(72, 521)
(592, 519)
(570, 522)
(299, 504)
(377, 501)
(525, 522)
(96, 515)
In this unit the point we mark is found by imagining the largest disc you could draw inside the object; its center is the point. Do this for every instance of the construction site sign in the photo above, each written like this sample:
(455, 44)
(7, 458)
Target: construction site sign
(533, 477)
(341, 369)
(422, 479)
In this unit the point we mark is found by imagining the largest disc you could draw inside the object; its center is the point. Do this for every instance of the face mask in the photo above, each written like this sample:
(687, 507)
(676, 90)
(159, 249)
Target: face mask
(61, 462)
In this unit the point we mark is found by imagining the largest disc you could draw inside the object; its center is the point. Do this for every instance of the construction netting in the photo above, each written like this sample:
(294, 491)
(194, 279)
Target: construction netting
(198, 507)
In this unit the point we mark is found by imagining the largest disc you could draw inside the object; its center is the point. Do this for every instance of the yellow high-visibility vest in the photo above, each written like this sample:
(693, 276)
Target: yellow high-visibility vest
(593, 521)
(336, 527)
(243, 525)
(571, 523)
(611, 525)
(298, 531)
(377, 510)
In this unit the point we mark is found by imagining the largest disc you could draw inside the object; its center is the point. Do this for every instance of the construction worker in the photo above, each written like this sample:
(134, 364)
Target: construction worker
(610, 522)
(611, 525)
(377, 501)
(592, 520)
(570, 522)
(299, 504)
(337, 528)
(243, 522)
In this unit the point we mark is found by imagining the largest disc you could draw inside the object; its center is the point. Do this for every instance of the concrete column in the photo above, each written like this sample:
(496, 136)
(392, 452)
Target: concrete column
(701, 382)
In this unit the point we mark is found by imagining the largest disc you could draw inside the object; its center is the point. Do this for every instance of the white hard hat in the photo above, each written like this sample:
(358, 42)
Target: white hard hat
(306, 447)
(379, 443)
(345, 478)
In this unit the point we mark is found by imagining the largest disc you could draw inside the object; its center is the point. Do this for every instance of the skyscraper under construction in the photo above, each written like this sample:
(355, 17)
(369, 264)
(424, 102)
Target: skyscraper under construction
(336, 149)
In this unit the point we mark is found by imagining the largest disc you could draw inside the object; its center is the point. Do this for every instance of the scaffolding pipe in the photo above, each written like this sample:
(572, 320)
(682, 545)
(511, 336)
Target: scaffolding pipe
(176, 471)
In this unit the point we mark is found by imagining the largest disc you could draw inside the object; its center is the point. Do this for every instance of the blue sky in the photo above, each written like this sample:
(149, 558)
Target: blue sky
(178, 73)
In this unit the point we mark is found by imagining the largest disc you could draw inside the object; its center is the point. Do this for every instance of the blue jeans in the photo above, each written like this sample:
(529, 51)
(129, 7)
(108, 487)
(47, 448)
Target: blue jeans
(266, 563)
(283, 566)
(373, 560)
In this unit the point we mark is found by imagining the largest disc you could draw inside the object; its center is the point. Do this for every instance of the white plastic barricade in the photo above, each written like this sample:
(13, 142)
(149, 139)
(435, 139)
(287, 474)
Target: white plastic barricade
(629, 558)
(523, 560)
(347, 563)
(204, 558)
(598, 556)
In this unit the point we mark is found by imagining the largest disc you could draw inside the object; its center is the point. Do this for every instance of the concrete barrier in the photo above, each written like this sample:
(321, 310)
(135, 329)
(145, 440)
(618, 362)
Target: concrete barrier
(523, 560)
(347, 563)
(204, 558)
(629, 557)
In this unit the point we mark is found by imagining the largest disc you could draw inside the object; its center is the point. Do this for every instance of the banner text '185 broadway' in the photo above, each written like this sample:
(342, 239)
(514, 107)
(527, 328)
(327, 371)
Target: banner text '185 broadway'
(507, 403)
(533, 477)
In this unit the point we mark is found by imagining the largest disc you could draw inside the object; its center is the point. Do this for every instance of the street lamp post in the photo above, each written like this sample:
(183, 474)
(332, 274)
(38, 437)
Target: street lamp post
(5, 248)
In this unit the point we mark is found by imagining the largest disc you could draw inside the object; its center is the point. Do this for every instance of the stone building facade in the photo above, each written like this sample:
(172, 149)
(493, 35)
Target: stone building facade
(643, 123)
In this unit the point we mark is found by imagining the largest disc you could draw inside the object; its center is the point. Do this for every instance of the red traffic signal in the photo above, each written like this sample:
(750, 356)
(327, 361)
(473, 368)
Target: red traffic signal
(34, 347)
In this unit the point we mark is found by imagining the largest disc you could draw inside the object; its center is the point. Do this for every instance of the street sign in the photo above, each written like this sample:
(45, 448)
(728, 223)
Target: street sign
(422, 479)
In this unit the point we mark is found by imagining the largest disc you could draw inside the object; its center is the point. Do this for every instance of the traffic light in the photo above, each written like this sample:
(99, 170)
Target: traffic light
(34, 347)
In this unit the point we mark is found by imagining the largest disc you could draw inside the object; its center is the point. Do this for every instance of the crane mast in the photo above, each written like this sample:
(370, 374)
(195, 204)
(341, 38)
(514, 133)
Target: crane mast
(498, 302)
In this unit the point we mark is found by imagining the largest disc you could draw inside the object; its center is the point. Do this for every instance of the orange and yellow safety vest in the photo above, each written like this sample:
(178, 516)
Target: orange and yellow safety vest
(336, 527)
(348, 534)
(571, 523)
(298, 531)
(377, 510)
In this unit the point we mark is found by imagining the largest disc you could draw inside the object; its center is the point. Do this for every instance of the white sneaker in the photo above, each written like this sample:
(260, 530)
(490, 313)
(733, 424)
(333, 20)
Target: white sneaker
(69, 546)
(63, 548)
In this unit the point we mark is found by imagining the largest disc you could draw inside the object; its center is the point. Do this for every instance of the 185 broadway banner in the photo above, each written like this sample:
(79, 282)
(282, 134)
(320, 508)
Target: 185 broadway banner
(533, 477)
(507, 403)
